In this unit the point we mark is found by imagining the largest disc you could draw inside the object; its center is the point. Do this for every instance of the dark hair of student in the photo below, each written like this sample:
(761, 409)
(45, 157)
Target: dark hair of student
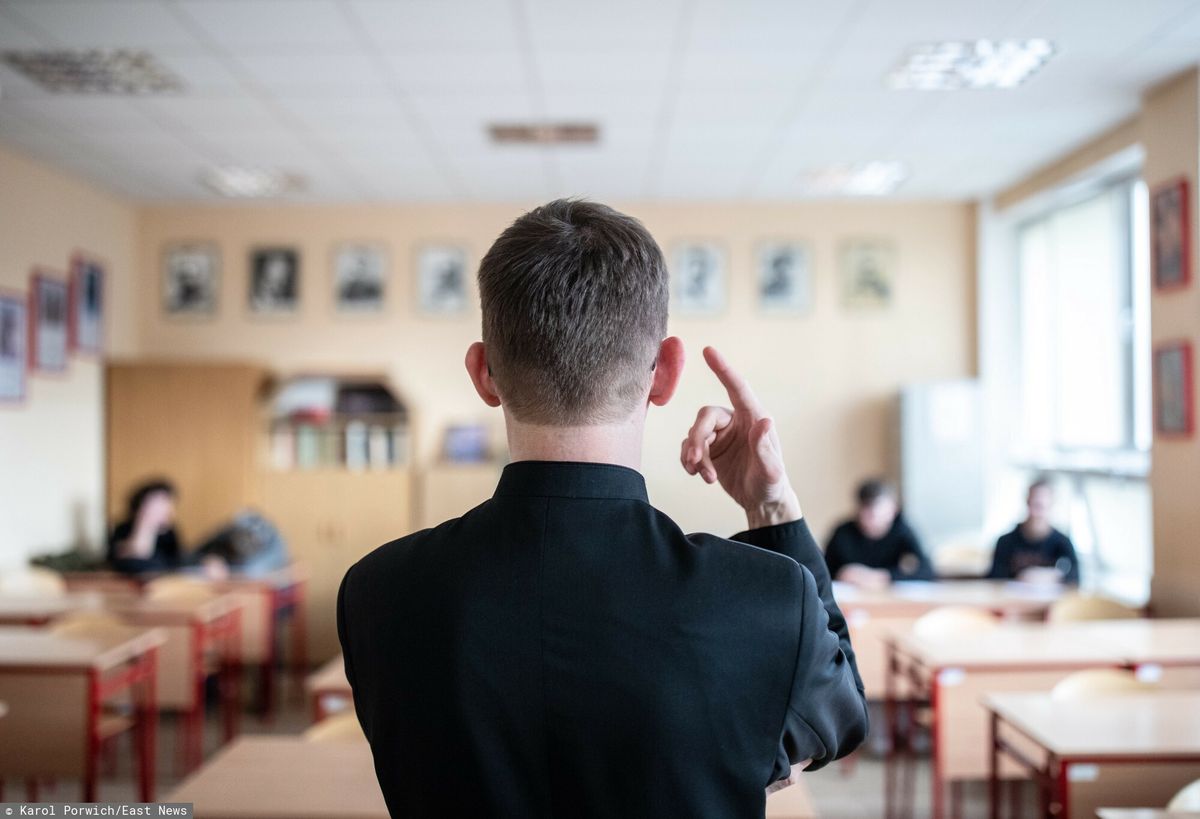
(144, 491)
(574, 300)
(1040, 482)
(872, 490)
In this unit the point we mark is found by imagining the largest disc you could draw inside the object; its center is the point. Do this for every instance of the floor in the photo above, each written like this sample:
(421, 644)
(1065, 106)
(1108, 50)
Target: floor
(842, 790)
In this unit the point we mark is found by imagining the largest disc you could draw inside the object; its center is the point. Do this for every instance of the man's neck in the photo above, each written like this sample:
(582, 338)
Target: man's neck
(619, 443)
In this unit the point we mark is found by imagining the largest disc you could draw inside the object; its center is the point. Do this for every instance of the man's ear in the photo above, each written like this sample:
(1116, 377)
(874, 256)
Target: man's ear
(481, 376)
(668, 369)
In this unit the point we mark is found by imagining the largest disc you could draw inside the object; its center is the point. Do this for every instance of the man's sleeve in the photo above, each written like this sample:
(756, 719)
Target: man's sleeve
(918, 567)
(827, 710)
(342, 632)
(1000, 561)
(1067, 551)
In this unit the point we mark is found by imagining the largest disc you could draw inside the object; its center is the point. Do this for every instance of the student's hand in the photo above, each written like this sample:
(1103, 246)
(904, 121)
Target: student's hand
(214, 568)
(739, 448)
(864, 577)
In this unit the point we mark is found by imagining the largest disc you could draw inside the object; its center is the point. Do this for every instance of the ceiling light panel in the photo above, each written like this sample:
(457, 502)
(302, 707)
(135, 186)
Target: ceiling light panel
(875, 178)
(95, 71)
(969, 64)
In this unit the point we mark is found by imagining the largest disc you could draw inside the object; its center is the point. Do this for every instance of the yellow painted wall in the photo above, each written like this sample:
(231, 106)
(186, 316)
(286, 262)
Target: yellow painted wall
(51, 446)
(1170, 129)
(829, 377)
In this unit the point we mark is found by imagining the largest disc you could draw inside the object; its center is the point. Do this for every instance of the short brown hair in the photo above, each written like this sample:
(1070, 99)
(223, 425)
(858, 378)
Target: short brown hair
(574, 297)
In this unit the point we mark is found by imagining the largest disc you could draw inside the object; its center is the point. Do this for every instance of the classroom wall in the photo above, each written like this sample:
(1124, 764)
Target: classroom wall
(830, 377)
(52, 444)
(1170, 128)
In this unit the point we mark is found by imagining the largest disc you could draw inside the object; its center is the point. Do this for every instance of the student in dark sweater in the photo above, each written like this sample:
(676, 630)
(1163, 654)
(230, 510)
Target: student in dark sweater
(146, 541)
(876, 547)
(1035, 543)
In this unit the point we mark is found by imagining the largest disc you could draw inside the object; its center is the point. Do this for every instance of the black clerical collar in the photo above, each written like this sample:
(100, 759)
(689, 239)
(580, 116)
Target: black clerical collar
(571, 479)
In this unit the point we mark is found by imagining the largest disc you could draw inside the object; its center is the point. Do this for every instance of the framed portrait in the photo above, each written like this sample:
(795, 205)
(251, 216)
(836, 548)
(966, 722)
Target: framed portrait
(1171, 239)
(698, 280)
(13, 357)
(1173, 410)
(442, 279)
(867, 273)
(191, 276)
(784, 278)
(86, 301)
(274, 280)
(360, 272)
(48, 333)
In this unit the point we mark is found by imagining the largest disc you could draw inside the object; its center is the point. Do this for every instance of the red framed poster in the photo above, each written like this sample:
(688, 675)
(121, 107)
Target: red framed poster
(85, 326)
(1171, 235)
(49, 302)
(14, 335)
(1174, 413)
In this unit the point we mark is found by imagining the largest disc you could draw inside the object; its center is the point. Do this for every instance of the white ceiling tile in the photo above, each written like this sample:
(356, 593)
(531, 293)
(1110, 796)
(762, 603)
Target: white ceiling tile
(314, 73)
(201, 74)
(456, 70)
(603, 70)
(455, 24)
(624, 23)
(272, 24)
(78, 115)
(123, 24)
(214, 114)
(15, 34)
(719, 24)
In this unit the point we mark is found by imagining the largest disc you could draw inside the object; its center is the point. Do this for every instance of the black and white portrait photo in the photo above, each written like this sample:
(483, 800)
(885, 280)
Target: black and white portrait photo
(1170, 248)
(49, 337)
(87, 304)
(698, 279)
(867, 273)
(13, 359)
(359, 278)
(274, 280)
(191, 274)
(784, 278)
(442, 279)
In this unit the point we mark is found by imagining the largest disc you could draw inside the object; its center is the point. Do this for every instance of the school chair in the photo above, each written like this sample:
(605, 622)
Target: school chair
(33, 581)
(342, 728)
(1098, 682)
(953, 621)
(1186, 800)
(1079, 607)
(177, 588)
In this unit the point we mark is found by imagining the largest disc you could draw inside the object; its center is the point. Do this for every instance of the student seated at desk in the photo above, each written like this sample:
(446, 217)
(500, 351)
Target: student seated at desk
(876, 547)
(1034, 546)
(146, 541)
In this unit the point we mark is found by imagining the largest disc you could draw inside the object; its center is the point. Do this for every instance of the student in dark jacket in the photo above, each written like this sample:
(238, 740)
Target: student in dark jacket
(146, 541)
(565, 649)
(1034, 544)
(877, 546)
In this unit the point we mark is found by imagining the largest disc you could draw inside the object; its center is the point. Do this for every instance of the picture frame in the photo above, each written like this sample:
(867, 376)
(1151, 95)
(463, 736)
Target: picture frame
(1171, 235)
(699, 278)
(49, 305)
(868, 270)
(86, 303)
(441, 279)
(784, 277)
(14, 357)
(360, 277)
(1174, 413)
(191, 279)
(274, 282)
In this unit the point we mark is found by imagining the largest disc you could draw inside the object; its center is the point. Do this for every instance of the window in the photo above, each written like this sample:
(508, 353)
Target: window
(1084, 336)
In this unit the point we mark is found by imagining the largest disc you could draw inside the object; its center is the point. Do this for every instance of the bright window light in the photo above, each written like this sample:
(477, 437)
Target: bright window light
(875, 178)
(961, 64)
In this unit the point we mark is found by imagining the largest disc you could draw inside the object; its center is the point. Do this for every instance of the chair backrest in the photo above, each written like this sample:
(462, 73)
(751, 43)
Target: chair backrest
(33, 580)
(179, 588)
(342, 728)
(1077, 607)
(1187, 799)
(87, 624)
(953, 621)
(1098, 682)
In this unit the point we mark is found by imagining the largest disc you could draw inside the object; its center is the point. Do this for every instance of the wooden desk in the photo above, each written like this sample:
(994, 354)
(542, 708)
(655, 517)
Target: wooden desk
(872, 614)
(55, 688)
(792, 802)
(328, 689)
(267, 600)
(196, 631)
(1155, 737)
(1143, 813)
(954, 673)
(39, 609)
(286, 778)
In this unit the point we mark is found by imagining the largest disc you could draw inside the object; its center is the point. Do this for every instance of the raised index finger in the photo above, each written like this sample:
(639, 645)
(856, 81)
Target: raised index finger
(739, 391)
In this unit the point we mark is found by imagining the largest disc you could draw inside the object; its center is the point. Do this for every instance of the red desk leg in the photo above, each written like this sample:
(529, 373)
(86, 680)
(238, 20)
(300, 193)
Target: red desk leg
(146, 724)
(91, 759)
(266, 687)
(299, 630)
(1061, 804)
(194, 719)
(994, 768)
(936, 775)
(231, 672)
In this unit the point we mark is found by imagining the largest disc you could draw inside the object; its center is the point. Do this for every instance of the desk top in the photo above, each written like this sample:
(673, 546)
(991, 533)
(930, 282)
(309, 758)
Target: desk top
(173, 612)
(23, 647)
(329, 677)
(288, 576)
(1159, 725)
(22, 608)
(1067, 645)
(915, 597)
(286, 778)
(1143, 813)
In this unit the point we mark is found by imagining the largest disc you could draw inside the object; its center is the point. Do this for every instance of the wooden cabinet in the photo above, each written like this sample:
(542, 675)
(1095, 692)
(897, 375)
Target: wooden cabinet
(331, 518)
(193, 423)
